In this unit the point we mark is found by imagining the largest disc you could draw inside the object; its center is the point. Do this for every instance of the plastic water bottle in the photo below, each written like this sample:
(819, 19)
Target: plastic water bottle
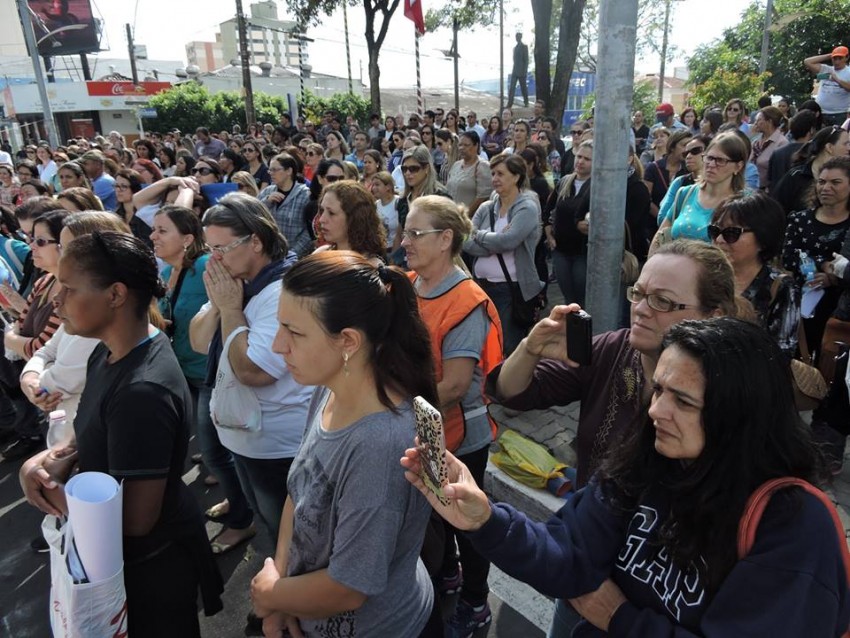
(58, 432)
(807, 266)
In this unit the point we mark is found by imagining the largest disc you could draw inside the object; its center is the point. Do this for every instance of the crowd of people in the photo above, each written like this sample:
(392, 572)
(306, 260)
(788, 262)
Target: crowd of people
(284, 293)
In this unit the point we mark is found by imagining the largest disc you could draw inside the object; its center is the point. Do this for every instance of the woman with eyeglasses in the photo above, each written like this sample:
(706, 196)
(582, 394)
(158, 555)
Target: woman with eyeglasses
(660, 174)
(133, 423)
(420, 178)
(819, 232)
(26, 170)
(734, 113)
(466, 340)
(312, 156)
(795, 189)
(36, 324)
(665, 539)
(398, 138)
(694, 150)
(506, 231)
(750, 230)
(252, 152)
(722, 176)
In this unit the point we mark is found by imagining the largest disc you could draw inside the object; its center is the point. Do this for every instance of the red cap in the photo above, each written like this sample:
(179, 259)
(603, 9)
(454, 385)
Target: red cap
(664, 109)
(840, 52)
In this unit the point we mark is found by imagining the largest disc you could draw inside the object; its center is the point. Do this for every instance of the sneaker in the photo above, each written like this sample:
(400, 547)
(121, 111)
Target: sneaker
(451, 584)
(468, 619)
(39, 545)
(22, 448)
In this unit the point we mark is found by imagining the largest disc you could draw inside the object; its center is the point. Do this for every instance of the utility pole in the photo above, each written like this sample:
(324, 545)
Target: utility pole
(617, 31)
(501, 56)
(765, 38)
(245, 57)
(664, 50)
(456, 56)
(347, 47)
(133, 70)
(29, 37)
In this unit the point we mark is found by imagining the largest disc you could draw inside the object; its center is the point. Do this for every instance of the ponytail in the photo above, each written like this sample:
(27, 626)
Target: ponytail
(348, 291)
(404, 358)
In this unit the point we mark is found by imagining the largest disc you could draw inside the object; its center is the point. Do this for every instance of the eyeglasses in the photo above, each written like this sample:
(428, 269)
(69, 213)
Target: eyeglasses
(720, 162)
(697, 150)
(576, 132)
(223, 250)
(203, 170)
(659, 303)
(734, 109)
(412, 235)
(333, 178)
(248, 149)
(730, 234)
(275, 169)
(411, 168)
(311, 154)
(41, 242)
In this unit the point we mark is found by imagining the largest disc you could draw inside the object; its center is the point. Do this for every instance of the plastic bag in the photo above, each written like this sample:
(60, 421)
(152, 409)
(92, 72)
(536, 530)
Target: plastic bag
(527, 461)
(81, 610)
(233, 405)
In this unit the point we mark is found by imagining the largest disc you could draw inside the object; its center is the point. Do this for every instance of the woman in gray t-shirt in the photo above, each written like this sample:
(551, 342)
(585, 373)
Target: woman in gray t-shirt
(347, 559)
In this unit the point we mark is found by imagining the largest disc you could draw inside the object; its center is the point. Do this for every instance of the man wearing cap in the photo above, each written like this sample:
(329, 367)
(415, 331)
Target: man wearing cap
(664, 118)
(103, 184)
(834, 93)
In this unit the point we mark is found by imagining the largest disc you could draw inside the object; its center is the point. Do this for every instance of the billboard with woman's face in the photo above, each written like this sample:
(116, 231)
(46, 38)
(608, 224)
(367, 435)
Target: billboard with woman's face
(64, 27)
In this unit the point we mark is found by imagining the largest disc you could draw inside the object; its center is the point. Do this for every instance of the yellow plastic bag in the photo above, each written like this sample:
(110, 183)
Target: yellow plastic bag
(526, 461)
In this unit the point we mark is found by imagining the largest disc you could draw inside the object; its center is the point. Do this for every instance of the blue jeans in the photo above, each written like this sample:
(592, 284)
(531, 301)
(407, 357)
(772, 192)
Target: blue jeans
(219, 460)
(500, 295)
(264, 483)
(571, 275)
(564, 620)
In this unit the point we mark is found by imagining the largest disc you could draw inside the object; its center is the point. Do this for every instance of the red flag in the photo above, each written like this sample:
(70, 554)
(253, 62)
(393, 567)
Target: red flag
(413, 11)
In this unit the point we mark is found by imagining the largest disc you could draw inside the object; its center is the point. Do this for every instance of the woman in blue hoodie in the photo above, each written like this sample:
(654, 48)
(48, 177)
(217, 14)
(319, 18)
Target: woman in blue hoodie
(648, 548)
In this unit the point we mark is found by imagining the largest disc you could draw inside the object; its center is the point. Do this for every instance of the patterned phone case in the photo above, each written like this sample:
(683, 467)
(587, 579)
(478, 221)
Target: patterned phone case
(432, 447)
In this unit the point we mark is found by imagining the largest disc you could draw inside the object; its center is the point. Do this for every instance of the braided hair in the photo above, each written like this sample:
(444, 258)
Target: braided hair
(110, 257)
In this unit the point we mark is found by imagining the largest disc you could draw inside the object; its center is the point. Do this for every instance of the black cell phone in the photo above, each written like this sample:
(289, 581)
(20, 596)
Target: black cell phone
(579, 336)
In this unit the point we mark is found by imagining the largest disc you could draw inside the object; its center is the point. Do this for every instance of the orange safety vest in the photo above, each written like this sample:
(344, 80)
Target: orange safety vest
(442, 314)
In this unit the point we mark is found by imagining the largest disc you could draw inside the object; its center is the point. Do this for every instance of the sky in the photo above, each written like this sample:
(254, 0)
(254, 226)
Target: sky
(164, 26)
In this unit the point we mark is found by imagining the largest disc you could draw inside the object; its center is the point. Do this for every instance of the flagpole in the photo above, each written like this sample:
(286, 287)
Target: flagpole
(419, 109)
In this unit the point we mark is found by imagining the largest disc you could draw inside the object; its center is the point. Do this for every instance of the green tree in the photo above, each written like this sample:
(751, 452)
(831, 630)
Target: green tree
(798, 30)
(189, 105)
(310, 12)
(725, 84)
(313, 106)
(644, 98)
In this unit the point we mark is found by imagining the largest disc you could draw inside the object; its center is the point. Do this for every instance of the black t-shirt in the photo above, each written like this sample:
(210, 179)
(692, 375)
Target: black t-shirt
(133, 424)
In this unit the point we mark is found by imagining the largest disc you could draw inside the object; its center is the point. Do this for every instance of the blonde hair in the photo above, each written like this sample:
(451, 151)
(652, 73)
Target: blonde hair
(89, 221)
(244, 178)
(445, 215)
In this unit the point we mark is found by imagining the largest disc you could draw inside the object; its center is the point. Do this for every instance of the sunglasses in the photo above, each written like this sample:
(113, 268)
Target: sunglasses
(333, 178)
(576, 132)
(734, 109)
(411, 168)
(697, 150)
(41, 242)
(202, 171)
(730, 234)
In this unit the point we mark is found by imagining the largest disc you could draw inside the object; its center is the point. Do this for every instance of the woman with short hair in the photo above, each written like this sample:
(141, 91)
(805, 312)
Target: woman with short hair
(286, 199)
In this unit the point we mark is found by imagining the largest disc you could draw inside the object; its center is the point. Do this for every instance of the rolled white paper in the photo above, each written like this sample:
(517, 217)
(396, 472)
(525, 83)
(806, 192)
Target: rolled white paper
(95, 515)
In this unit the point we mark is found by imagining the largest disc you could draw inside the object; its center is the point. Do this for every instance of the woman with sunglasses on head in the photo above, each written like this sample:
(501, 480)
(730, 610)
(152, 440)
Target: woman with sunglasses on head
(327, 172)
(723, 176)
(819, 232)
(795, 189)
(133, 423)
(750, 230)
(666, 540)
(36, 324)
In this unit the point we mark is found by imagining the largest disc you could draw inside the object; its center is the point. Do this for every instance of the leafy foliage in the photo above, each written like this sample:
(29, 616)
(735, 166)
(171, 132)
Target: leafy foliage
(644, 98)
(798, 30)
(345, 104)
(190, 105)
(725, 84)
(472, 13)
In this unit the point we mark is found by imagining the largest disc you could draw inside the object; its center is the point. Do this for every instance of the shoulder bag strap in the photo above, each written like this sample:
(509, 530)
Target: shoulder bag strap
(661, 173)
(499, 255)
(678, 201)
(172, 298)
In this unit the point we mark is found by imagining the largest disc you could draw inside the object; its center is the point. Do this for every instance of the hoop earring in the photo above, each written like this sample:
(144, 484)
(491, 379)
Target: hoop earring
(345, 364)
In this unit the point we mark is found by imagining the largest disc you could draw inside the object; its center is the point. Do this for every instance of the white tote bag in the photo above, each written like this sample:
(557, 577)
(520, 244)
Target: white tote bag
(233, 405)
(81, 609)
